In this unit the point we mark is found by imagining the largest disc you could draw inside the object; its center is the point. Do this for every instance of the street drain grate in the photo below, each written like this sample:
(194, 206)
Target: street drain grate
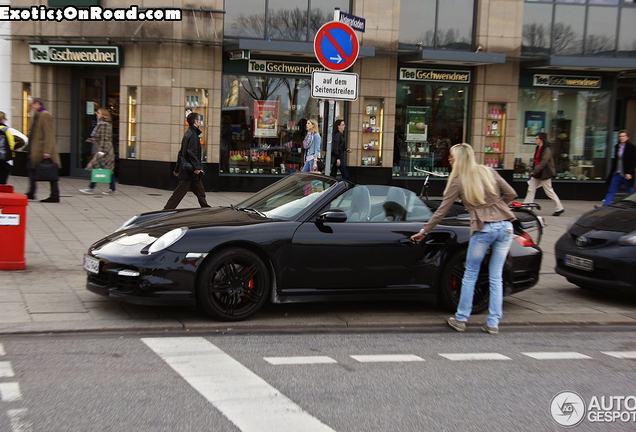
(153, 194)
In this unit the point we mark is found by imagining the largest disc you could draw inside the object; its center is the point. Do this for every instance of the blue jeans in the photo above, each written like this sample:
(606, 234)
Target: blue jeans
(615, 184)
(309, 166)
(498, 237)
(91, 185)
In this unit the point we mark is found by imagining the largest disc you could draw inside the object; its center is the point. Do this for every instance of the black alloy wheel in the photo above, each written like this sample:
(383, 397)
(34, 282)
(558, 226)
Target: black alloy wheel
(451, 284)
(234, 285)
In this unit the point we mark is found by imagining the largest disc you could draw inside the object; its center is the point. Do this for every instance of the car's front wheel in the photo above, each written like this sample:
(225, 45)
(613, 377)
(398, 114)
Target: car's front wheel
(234, 285)
(451, 285)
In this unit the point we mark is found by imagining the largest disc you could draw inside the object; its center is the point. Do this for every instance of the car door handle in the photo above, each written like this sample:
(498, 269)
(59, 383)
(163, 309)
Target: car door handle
(407, 241)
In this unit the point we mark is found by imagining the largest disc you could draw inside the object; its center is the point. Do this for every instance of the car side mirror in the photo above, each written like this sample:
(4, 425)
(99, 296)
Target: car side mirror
(333, 216)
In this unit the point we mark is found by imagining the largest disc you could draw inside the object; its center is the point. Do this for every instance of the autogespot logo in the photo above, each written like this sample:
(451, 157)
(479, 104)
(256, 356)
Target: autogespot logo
(567, 409)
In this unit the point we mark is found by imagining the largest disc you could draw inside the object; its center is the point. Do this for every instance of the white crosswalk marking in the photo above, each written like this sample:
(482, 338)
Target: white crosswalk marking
(2, 351)
(299, 360)
(10, 392)
(242, 396)
(475, 356)
(556, 355)
(621, 354)
(6, 371)
(18, 420)
(387, 358)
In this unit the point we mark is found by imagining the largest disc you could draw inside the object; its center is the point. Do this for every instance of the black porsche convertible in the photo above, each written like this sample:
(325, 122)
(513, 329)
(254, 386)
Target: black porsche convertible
(305, 238)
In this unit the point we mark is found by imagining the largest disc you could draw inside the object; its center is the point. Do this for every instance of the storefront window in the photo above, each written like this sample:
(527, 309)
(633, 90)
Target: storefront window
(290, 20)
(577, 123)
(601, 31)
(430, 118)
(567, 34)
(263, 121)
(627, 33)
(537, 25)
(437, 24)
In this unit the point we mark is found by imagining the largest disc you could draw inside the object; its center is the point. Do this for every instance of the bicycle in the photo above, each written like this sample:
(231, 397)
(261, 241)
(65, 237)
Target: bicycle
(424, 191)
(529, 221)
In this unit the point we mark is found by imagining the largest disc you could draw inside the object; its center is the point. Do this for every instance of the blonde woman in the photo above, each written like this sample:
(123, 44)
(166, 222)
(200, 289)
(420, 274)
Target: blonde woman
(311, 143)
(104, 156)
(486, 196)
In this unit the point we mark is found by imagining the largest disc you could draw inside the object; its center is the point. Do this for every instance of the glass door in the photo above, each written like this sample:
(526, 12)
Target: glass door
(91, 91)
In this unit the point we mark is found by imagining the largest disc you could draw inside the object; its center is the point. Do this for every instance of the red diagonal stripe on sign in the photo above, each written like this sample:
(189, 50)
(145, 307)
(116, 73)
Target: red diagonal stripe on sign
(336, 46)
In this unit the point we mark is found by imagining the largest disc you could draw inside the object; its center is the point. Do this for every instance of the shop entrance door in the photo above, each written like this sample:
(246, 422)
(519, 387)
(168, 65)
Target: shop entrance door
(91, 90)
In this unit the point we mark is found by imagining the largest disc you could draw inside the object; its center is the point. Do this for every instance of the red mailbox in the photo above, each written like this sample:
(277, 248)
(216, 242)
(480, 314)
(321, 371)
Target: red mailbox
(12, 228)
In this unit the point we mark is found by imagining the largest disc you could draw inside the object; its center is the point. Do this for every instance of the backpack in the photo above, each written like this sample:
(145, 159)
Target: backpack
(5, 149)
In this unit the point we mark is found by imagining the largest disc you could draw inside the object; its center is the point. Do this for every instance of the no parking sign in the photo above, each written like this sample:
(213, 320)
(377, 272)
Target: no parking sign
(336, 46)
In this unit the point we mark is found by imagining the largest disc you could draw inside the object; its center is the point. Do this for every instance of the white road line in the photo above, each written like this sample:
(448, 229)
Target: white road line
(621, 354)
(387, 358)
(19, 422)
(299, 360)
(10, 392)
(242, 396)
(475, 356)
(556, 355)
(2, 351)
(6, 371)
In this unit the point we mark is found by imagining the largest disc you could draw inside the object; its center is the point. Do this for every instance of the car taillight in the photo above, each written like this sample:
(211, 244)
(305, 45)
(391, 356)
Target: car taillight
(524, 240)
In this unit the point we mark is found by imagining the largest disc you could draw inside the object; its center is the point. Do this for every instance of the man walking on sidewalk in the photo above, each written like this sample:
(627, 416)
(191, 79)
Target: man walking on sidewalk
(188, 168)
(42, 146)
(623, 165)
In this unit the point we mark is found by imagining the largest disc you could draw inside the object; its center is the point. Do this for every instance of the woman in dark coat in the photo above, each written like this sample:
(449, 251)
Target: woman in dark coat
(543, 169)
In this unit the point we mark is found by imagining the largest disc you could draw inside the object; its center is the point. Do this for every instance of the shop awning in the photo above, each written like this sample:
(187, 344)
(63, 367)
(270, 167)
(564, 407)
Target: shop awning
(609, 64)
(297, 49)
(463, 58)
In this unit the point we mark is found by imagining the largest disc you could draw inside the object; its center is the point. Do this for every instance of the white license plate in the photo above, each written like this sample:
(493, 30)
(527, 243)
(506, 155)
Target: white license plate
(578, 262)
(91, 264)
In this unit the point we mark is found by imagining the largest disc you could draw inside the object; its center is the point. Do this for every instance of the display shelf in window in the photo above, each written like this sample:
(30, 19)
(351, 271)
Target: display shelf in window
(372, 128)
(131, 143)
(196, 100)
(495, 135)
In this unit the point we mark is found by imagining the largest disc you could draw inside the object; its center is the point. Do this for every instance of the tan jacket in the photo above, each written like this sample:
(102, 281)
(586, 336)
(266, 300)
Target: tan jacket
(42, 139)
(495, 209)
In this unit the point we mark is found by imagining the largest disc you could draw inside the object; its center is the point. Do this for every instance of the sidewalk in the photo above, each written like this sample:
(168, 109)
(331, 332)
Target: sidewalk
(50, 295)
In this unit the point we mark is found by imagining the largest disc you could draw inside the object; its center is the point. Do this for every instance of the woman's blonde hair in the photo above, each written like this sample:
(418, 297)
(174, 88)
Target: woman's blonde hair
(105, 113)
(315, 123)
(476, 179)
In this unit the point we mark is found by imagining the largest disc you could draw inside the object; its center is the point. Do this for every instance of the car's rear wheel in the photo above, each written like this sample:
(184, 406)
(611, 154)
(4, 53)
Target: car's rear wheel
(234, 285)
(451, 285)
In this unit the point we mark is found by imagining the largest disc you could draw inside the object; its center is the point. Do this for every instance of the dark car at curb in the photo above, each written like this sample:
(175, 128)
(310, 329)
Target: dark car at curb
(305, 238)
(598, 250)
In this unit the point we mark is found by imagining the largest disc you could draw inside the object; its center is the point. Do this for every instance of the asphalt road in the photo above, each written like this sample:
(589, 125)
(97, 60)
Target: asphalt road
(368, 381)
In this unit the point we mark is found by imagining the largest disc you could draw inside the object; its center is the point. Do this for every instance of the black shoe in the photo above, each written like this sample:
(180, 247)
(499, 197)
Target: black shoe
(51, 199)
(30, 196)
(558, 213)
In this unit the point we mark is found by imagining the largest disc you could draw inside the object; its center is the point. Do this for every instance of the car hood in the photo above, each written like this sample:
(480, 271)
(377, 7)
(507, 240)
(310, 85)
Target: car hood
(193, 219)
(618, 217)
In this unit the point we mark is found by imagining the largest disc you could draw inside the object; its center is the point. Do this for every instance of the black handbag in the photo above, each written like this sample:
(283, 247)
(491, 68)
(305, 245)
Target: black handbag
(47, 170)
(321, 164)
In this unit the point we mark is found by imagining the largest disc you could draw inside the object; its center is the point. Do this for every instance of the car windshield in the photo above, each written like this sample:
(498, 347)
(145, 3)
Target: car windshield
(288, 197)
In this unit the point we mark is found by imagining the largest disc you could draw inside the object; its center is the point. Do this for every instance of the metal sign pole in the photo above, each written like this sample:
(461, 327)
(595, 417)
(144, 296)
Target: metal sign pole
(330, 120)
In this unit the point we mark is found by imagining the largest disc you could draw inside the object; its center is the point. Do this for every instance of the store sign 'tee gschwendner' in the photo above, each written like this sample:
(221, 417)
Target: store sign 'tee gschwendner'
(452, 76)
(95, 55)
(282, 67)
(572, 81)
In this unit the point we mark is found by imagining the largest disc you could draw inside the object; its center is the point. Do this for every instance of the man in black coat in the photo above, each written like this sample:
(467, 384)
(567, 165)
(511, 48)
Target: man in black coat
(339, 150)
(189, 168)
(623, 165)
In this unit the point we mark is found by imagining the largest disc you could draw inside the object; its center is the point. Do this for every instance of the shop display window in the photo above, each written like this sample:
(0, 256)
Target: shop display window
(372, 128)
(263, 123)
(132, 151)
(26, 107)
(578, 126)
(196, 100)
(430, 119)
(495, 137)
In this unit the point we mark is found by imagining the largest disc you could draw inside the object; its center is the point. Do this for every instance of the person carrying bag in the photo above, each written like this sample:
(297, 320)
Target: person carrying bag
(104, 157)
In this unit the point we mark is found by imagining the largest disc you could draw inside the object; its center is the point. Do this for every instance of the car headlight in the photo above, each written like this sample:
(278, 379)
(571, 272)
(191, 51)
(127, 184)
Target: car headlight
(167, 239)
(628, 239)
(127, 223)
